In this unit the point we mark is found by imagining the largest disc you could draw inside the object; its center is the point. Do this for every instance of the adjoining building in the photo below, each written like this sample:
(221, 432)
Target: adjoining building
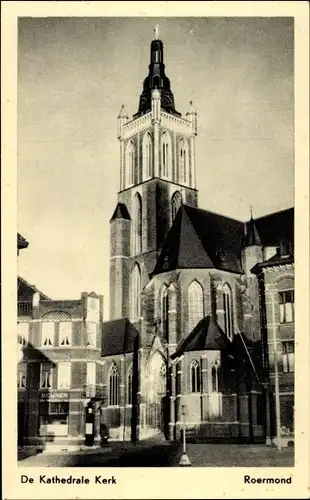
(61, 367)
(275, 276)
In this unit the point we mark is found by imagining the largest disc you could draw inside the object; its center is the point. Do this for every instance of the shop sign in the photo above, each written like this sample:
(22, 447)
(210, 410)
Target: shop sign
(54, 395)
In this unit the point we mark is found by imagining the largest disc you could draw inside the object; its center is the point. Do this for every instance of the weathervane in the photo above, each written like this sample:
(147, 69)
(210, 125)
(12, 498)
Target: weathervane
(156, 31)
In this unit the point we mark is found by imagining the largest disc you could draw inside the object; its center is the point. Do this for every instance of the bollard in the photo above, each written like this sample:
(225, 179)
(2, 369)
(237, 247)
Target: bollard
(184, 461)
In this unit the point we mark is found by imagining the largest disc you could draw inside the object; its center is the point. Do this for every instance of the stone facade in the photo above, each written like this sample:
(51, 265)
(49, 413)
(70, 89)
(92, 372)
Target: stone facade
(278, 337)
(60, 367)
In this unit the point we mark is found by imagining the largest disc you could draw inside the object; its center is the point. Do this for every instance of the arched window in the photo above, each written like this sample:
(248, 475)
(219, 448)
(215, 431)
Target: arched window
(135, 293)
(195, 376)
(215, 373)
(166, 155)
(183, 161)
(178, 380)
(195, 304)
(215, 398)
(227, 306)
(129, 386)
(176, 202)
(130, 163)
(164, 311)
(113, 386)
(48, 328)
(156, 81)
(137, 225)
(147, 156)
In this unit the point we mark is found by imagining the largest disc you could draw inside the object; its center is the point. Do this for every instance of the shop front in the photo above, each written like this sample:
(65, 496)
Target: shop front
(54, 415)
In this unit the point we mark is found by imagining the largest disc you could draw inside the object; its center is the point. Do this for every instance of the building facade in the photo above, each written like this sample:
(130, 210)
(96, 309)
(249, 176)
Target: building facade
(60, 366)
(275, 275)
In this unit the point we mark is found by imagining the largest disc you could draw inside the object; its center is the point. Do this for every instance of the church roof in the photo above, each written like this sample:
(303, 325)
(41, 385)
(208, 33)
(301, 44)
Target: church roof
(206, 336)
(276, 227)
(21, 242)
(252, 237)
(120, 212)
(201, 239)
(118, 337)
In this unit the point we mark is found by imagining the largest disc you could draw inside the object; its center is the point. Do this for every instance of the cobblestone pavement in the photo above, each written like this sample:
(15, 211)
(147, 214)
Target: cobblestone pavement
(222, 455)
(148, 454)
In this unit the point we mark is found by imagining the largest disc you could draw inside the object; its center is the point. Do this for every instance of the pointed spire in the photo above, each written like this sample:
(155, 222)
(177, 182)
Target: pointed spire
(191, 116)
(252, 237)
(156, 30)
(121, 121)
(156, 79)
(192, 110)
(122, 113)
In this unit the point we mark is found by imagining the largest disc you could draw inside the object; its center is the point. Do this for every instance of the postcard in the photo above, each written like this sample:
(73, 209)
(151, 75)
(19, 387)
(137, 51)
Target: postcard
(155, 173)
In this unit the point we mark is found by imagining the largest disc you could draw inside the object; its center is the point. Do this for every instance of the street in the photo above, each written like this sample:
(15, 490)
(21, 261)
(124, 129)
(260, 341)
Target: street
(149, 454)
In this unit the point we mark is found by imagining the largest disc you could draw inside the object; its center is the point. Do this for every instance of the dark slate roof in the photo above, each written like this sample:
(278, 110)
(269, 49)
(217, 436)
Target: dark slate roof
(21, 242)
(120, 212)
(202, 239)
(275, 228)
(207, 335)
(252, 237)
(25, 291)
(118, 337)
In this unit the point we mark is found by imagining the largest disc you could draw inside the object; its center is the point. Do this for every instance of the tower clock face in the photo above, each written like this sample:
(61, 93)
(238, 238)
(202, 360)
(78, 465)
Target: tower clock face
(143, 99)
(167, 99)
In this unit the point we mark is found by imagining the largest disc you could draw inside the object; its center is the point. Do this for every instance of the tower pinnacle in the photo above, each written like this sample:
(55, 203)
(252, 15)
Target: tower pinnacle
(156, 29)
(156, 79)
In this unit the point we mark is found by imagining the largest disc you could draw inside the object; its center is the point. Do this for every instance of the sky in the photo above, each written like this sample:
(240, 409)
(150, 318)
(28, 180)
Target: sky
(73, 76)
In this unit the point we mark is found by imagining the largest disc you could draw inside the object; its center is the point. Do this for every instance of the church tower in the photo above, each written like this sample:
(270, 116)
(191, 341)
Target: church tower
(157, 175)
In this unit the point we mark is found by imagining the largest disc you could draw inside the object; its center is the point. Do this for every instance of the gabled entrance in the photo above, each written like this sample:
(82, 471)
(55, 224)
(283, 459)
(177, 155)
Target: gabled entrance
(156, 393)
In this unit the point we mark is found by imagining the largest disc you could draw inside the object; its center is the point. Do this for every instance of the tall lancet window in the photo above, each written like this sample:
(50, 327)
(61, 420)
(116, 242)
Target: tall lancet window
(135, 293)
(183, 162)
(227, 306)
(215, 398)
(147, 156)
(130, 163)
(114, 386)
(166, 155)
(176, 202)
(137, 225)
(195, 376)
(195, 304)
(129, 385)
(164, 312)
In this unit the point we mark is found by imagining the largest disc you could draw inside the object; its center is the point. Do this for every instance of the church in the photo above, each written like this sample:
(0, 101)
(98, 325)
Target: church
(188, 339)
(201, 329)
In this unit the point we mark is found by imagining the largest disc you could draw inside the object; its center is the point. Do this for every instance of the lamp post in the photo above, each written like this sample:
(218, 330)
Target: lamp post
(184, 461)
(276, 375)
